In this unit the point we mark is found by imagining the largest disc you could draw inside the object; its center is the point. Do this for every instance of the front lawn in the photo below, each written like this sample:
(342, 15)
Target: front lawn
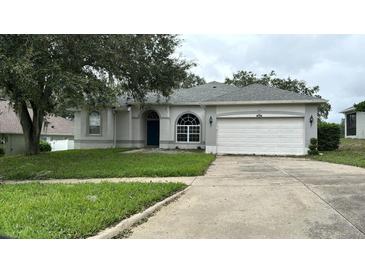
(103, 163)
(351, 152)
(73, 210)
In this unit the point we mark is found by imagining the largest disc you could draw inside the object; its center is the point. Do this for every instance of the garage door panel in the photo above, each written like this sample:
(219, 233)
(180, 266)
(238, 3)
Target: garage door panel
(253, 143)
(253, 151)
(258, 135)
(278, 136)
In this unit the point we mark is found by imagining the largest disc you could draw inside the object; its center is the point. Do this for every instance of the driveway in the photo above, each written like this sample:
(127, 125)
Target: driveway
(266, 197)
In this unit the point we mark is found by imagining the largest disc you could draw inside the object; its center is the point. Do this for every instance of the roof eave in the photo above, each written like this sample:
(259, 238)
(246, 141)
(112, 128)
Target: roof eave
(265, 102)
(347, 110)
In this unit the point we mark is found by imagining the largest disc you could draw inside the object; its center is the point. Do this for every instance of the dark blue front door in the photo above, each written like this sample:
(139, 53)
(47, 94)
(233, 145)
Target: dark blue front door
(153, 132)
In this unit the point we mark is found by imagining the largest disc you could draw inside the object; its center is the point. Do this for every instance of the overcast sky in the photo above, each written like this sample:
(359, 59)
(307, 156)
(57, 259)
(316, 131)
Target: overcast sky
(336, 63)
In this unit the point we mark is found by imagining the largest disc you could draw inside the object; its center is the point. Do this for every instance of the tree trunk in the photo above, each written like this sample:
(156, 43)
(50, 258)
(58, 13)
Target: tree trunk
(31, 127)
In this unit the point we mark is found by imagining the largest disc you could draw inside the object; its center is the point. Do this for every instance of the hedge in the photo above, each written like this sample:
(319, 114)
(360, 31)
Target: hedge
(44, 146)
(328, 136)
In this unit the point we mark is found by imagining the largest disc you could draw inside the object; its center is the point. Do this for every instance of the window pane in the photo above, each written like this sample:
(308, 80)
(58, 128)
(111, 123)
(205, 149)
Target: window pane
(182, 137)
(94, 130)
(188, 119)
(94, 122)
(194, 137)
(194, 129)
(182, 129)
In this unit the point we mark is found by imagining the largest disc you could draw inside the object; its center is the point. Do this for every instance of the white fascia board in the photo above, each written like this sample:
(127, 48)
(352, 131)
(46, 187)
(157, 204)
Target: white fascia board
(268, 102)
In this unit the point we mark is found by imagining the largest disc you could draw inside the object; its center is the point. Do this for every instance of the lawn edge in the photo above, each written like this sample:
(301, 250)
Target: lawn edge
(336, 163)
(111, 232)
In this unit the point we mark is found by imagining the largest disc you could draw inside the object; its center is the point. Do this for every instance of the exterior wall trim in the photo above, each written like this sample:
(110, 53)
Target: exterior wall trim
(88, 122)
(264, 113)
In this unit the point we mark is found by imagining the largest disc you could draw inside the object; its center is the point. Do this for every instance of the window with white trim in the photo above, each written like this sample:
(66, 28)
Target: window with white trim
(94, 123)
(188, 129)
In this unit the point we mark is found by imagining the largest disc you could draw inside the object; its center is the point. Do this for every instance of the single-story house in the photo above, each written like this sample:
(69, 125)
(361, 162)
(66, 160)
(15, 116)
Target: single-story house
(216, 117)
(12, 141)
(354, 123)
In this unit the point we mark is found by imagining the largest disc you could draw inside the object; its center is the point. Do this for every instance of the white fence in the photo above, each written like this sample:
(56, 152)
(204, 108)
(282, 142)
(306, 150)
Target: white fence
(62, 145)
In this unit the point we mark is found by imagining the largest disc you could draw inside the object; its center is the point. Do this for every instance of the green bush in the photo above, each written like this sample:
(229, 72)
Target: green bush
(328, 136)
(44, 146)
(313, 147)
(2, 151)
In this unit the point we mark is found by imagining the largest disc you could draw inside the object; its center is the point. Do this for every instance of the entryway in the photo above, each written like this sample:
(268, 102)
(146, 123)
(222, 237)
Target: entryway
(153, 128)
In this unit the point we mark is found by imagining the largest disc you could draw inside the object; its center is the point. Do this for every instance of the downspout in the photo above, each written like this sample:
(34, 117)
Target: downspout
(114, 127)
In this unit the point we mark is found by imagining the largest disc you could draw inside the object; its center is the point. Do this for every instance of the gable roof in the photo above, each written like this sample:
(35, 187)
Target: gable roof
(9, 123)
(219, 93)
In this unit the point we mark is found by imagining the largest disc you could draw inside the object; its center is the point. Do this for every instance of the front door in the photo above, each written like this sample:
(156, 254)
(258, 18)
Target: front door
(153, 130)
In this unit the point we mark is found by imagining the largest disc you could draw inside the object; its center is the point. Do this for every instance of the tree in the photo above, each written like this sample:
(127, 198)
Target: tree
(49, 73)
(360, 106)
(244, 78)
(192, 80)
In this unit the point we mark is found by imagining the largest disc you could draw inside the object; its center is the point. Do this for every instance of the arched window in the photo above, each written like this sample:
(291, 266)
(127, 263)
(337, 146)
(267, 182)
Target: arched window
(94, 123)
(188, 129)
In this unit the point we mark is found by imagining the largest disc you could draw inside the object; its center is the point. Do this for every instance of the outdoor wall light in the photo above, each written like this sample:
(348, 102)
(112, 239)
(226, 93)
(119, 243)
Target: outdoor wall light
(210, 120)
(128, 104)
(311, 120)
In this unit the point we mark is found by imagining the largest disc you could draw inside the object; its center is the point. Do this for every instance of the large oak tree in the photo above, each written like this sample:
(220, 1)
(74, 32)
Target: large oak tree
(244, 78)
(45, 74)
(192, 80)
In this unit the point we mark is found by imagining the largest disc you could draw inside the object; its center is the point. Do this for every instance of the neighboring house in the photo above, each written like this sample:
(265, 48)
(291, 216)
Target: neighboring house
(354, 123)
(56, 130)
(216, 117)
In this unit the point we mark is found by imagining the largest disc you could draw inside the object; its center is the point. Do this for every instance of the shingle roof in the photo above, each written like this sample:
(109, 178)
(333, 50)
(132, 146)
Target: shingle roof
(213, 92)
(9, 123)
(258, 92)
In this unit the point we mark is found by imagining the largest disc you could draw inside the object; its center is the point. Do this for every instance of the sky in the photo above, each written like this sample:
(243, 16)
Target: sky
(336, 63)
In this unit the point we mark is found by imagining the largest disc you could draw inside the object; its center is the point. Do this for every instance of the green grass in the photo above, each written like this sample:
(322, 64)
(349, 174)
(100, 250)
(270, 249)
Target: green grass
(103, 163)
(73, 210)
(351, 152)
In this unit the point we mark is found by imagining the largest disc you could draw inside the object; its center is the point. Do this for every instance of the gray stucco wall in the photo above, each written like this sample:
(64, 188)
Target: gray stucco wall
(311, 131)
(81, 128)
(360, 125)
(211, 129)
(14, 144)
(305, 111)
(131, 125)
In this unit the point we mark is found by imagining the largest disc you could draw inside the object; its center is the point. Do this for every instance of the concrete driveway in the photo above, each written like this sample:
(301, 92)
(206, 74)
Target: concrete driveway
(266, 197)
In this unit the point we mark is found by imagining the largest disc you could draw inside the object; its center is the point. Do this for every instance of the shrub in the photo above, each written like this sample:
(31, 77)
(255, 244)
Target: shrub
(313, 147)
(328, 136)
(44, 146)
(2, 151)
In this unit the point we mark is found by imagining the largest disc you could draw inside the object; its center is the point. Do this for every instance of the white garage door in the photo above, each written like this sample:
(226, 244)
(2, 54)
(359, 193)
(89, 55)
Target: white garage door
(263, 136)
